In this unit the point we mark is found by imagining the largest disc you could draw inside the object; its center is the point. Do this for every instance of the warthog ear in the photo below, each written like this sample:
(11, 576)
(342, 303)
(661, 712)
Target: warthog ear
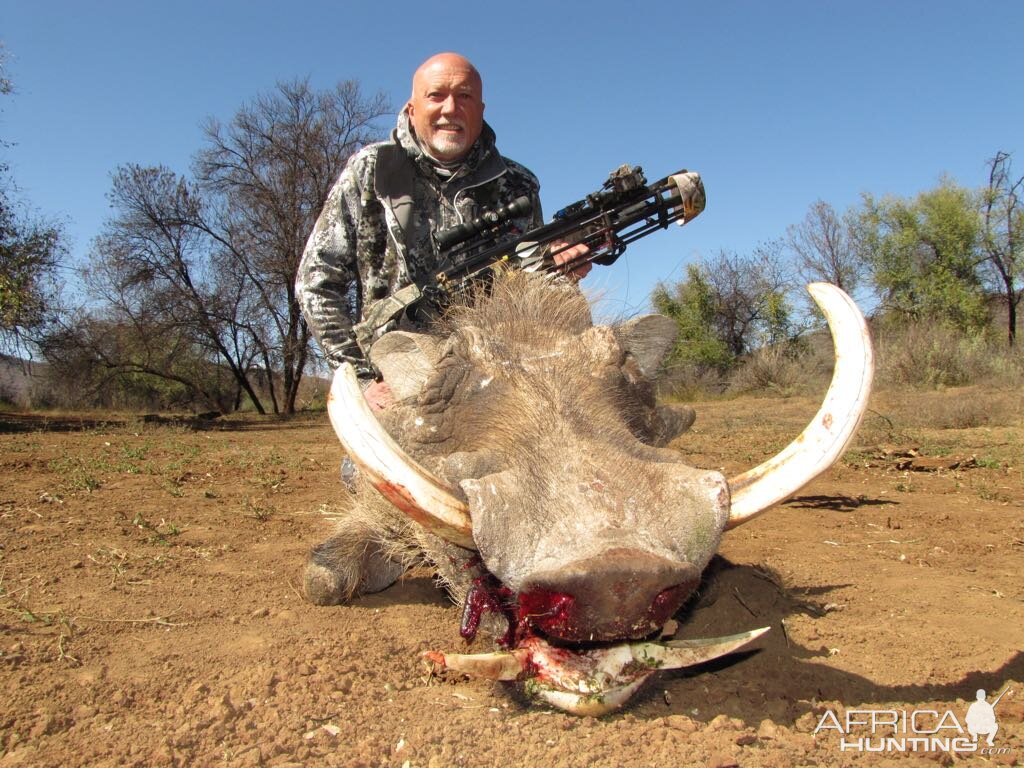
(648, 339)
(405, 361)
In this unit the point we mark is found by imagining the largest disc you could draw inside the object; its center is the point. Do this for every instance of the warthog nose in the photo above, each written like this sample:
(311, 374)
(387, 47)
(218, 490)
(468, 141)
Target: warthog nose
(619, 594)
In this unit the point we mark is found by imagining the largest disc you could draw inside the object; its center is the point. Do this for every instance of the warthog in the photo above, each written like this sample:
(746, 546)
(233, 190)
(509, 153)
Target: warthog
(524, 460)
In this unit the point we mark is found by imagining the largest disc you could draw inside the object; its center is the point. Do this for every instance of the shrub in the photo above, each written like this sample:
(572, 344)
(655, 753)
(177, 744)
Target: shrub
(941, 355)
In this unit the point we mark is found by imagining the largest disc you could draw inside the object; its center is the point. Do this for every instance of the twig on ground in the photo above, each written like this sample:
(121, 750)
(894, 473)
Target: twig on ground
(158, 620)
(742, 602)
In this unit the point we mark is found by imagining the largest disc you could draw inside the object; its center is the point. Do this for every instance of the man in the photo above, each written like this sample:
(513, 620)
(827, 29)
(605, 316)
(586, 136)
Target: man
(373, 238)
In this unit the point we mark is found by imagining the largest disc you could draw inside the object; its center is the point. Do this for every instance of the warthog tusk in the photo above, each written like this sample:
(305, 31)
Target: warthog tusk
(589, 682)
(391, 470)
(499, 665)
(823, 440)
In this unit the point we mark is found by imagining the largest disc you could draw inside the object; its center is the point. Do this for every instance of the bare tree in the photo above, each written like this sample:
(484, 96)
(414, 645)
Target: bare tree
(32, 252)
(267, 174)
(751, 306)
(823, 248)
(211, 264)
(1003, 235)
(152, 272)
(115, 361)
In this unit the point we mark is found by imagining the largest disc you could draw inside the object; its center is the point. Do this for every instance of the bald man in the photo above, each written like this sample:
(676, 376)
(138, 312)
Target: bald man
(439, 168)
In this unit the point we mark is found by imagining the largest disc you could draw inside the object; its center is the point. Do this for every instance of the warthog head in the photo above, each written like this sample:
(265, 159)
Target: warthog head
(527, 447)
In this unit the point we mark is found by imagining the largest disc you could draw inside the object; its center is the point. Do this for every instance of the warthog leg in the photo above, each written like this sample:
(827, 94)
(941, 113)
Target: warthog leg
(349, 563)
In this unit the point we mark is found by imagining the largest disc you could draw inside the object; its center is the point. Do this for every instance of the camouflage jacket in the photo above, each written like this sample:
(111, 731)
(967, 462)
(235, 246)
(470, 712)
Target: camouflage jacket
(373, 236)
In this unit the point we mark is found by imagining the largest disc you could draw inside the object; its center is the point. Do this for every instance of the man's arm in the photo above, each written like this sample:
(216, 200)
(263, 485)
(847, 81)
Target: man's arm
(327, 282)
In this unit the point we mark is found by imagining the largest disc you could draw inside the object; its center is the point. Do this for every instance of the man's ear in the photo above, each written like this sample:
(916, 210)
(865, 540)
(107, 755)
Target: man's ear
(408, 108)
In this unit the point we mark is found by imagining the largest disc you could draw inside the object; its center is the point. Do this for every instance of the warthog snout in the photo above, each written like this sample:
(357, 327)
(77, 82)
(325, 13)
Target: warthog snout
(621, 593)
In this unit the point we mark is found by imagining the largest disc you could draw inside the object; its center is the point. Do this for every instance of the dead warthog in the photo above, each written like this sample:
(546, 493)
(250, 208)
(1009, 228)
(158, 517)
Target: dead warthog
(524, 459)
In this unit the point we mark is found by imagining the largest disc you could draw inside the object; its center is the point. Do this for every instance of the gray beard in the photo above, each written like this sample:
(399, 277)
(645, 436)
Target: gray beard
(443, 167)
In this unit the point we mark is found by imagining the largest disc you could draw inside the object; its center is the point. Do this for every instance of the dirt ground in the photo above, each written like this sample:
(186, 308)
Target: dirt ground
(149, 612)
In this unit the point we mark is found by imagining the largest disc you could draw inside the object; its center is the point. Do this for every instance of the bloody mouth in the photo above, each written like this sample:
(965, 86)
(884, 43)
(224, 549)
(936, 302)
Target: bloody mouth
(525, 613)
(543, 612)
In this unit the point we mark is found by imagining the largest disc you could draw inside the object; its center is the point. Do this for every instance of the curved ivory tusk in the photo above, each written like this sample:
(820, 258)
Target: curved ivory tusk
(678, 654)
(396, 475)
(833, 426)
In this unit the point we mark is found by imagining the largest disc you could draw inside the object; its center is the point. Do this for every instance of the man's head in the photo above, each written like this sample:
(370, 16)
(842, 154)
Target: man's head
(446, 108)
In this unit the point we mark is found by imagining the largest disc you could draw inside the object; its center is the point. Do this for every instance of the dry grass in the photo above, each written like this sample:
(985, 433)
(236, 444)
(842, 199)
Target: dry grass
(956, 381)
(934, 356)
(952, 408)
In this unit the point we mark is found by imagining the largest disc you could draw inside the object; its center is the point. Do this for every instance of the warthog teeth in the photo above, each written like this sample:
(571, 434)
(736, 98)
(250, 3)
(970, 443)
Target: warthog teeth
(592, 682)
(500, 665)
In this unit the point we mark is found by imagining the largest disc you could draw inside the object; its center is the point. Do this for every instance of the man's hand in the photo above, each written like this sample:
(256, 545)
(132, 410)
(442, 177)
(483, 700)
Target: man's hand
(378, 396)
(570, 254)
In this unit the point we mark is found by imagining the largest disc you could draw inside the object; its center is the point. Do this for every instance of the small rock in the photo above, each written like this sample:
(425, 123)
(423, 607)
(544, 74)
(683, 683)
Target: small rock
(305, 670)
(745, 740)
(767, 730)
(724, 723)
(162, 755)
(260, 613)
(221, 708)
(46, 724)
(806, 723)
(681, 723)
(197, 691)
(722, 760)
(803, 742)
(270, 682)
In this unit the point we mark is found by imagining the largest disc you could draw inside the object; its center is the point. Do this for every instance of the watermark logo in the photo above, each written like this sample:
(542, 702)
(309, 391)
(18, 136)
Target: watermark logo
(918, 730)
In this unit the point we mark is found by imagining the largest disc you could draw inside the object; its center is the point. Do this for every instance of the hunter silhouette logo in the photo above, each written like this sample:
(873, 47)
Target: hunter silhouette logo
(918, 730)
(981, 717)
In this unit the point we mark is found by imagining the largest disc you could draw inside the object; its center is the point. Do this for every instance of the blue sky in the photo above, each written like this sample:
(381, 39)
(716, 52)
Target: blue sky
(776, 104)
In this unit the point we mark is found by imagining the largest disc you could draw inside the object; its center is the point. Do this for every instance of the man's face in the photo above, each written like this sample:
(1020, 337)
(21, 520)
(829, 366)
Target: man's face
(447, 109)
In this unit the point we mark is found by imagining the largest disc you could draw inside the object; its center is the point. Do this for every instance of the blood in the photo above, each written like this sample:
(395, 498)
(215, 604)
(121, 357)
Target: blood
(546, 610)
(541, 610)
(488, 595)
(538, 609)
(668, 601)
